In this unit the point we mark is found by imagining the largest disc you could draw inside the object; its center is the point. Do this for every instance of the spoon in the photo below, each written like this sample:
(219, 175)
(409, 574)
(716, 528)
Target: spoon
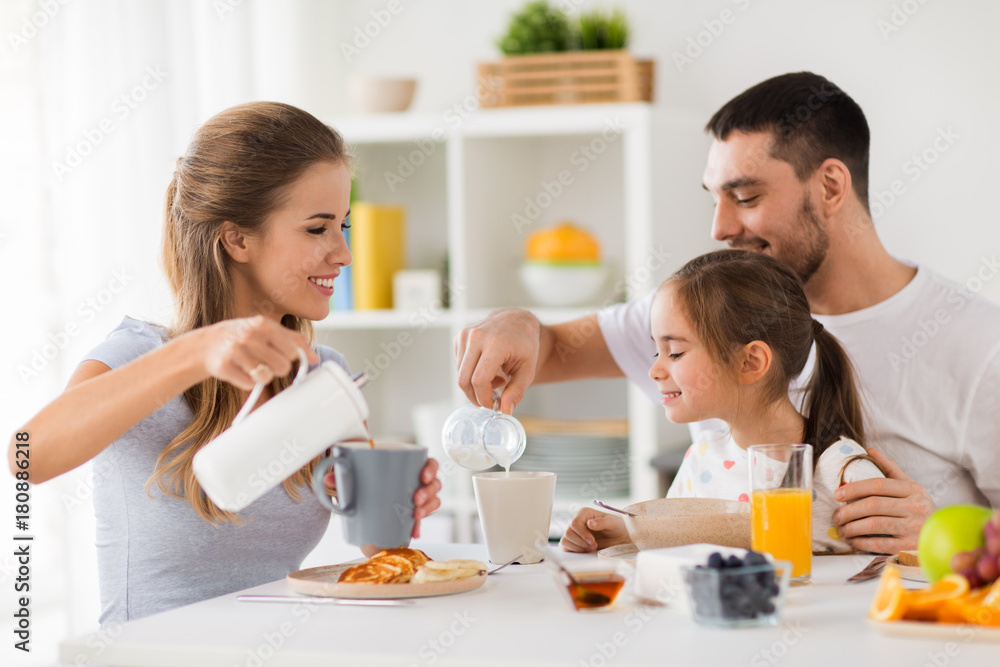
(581, 595)
(614, 509)
(500, 567)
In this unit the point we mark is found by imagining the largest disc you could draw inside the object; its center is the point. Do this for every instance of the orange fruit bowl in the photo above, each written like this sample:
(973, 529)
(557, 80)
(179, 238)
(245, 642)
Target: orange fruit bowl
(564, 242)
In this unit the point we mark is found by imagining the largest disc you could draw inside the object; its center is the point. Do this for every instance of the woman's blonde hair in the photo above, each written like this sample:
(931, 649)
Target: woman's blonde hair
(237, 168)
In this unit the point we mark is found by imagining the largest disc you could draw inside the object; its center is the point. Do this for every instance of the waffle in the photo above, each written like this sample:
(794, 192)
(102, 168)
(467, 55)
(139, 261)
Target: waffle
(400, 566)
(391, 566)
(372, 572)
(415, 556)
(449, 570)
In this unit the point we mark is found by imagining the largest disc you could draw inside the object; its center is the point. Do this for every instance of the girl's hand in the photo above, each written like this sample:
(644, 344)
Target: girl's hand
(426, 498)
(246, 351)
(592, 529)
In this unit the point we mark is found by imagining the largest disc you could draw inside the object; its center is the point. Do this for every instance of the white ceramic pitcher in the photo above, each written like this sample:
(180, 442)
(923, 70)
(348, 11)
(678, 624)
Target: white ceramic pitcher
(267, 446)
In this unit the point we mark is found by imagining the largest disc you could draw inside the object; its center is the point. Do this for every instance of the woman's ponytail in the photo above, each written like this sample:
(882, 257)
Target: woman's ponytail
(833, 403)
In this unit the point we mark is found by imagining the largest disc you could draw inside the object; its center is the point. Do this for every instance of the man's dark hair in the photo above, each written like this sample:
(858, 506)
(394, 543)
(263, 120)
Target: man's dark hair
(810, 119)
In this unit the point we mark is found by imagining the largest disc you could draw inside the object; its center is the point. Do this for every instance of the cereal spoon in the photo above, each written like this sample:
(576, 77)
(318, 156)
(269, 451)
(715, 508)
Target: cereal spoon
(614, 509)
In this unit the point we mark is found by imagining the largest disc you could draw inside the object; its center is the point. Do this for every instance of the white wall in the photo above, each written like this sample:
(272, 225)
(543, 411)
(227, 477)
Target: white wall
(935, 71)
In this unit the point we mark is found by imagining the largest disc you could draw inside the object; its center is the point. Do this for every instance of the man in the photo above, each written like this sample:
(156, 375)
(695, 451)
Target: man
(788, 170)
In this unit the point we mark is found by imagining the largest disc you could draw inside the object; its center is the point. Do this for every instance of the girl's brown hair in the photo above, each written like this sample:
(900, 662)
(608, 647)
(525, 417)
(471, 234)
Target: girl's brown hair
(734, 297)
(237, 168)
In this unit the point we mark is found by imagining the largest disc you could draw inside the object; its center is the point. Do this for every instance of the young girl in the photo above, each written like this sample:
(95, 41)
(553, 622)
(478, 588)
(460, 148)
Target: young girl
(252, 244)
(732, 330)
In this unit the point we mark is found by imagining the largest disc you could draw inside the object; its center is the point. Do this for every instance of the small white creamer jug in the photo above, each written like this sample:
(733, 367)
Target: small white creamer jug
(479, 438)
(267, 446)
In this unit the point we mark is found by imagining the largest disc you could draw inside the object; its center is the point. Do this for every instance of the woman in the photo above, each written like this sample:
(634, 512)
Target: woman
(252, 244)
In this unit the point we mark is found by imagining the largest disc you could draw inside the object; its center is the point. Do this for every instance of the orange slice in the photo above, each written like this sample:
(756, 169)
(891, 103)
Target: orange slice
(988, 611)
(890, 601)
(961, 609)
(970, 609)
(992, 598)
(925, 604)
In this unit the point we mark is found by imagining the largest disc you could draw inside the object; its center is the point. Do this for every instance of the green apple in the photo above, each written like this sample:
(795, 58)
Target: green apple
(947, 532)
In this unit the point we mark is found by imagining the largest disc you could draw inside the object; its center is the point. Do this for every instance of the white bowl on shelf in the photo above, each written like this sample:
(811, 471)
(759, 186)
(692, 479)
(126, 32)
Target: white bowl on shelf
(372, 94)
(562, 284)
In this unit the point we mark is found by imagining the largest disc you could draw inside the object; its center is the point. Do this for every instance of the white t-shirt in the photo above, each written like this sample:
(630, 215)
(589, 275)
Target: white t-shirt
(716, 467)
(928, 366)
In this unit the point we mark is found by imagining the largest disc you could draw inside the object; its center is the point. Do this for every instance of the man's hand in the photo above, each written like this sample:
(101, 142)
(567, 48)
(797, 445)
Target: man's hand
(502, 349)
(884, 515)
(591, 530)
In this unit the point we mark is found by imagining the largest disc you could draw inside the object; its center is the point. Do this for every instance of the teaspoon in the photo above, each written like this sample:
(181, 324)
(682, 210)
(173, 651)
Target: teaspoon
(614, 509)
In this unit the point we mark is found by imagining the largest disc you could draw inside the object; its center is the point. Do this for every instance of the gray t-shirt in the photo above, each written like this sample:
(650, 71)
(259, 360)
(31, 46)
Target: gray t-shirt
(154, 552)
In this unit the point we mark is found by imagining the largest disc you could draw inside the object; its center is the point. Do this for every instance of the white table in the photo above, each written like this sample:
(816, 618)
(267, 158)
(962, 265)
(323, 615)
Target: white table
(520, 616)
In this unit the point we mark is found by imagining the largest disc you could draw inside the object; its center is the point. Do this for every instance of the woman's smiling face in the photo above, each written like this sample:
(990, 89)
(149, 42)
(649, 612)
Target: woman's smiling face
(291, 269)
(693, 386)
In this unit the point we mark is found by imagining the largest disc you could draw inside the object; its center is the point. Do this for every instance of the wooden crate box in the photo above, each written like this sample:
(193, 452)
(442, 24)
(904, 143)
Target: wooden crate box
(574, 77)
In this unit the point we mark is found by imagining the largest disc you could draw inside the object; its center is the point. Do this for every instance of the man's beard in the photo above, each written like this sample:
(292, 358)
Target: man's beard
(804, 251)
(806, 254)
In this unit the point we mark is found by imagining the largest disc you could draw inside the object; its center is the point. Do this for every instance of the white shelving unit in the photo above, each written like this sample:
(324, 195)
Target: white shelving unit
(473, 189)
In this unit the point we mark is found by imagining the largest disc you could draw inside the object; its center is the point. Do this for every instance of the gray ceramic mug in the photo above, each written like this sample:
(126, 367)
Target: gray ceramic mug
(375, 487)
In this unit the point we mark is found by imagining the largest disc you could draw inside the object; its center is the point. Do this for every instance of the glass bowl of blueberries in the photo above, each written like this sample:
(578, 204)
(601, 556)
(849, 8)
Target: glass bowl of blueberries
(737, 592)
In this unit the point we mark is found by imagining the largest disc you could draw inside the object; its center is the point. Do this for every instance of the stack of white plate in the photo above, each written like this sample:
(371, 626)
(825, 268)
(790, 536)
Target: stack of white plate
(590, 459)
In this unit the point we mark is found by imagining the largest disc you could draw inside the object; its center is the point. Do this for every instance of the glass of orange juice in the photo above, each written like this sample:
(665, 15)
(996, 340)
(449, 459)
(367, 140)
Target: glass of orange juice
(781, 505)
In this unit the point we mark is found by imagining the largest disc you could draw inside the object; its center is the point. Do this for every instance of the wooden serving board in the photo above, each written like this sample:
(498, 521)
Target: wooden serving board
(927, 630)
(322, 581)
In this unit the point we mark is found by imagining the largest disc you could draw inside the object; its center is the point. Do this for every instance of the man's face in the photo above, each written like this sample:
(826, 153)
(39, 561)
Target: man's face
(761, 205)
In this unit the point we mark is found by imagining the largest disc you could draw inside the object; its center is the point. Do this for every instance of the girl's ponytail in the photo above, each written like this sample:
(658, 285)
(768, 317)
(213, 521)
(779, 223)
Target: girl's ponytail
(833, 406)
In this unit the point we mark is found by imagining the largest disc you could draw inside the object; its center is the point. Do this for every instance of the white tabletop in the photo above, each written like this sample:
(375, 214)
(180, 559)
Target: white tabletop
(520, 616)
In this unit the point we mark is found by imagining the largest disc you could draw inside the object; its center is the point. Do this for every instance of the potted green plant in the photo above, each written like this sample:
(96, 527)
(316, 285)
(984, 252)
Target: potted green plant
(599, 30)
(537, 28)
(551, 59)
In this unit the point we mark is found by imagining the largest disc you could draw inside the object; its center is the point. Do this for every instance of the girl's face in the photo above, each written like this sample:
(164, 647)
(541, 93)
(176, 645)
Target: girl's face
(291, 268)
(693, 386)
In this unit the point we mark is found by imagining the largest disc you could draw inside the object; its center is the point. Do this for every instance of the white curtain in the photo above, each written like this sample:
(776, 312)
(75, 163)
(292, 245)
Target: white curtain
(99, 98)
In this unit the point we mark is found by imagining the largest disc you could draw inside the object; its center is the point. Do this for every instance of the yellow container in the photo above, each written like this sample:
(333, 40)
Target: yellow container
(378, 236)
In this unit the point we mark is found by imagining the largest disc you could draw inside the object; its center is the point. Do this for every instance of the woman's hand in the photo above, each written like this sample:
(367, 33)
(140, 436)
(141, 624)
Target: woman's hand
(426, 498)
(330, 484)
(591, 530)
(246, 351)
